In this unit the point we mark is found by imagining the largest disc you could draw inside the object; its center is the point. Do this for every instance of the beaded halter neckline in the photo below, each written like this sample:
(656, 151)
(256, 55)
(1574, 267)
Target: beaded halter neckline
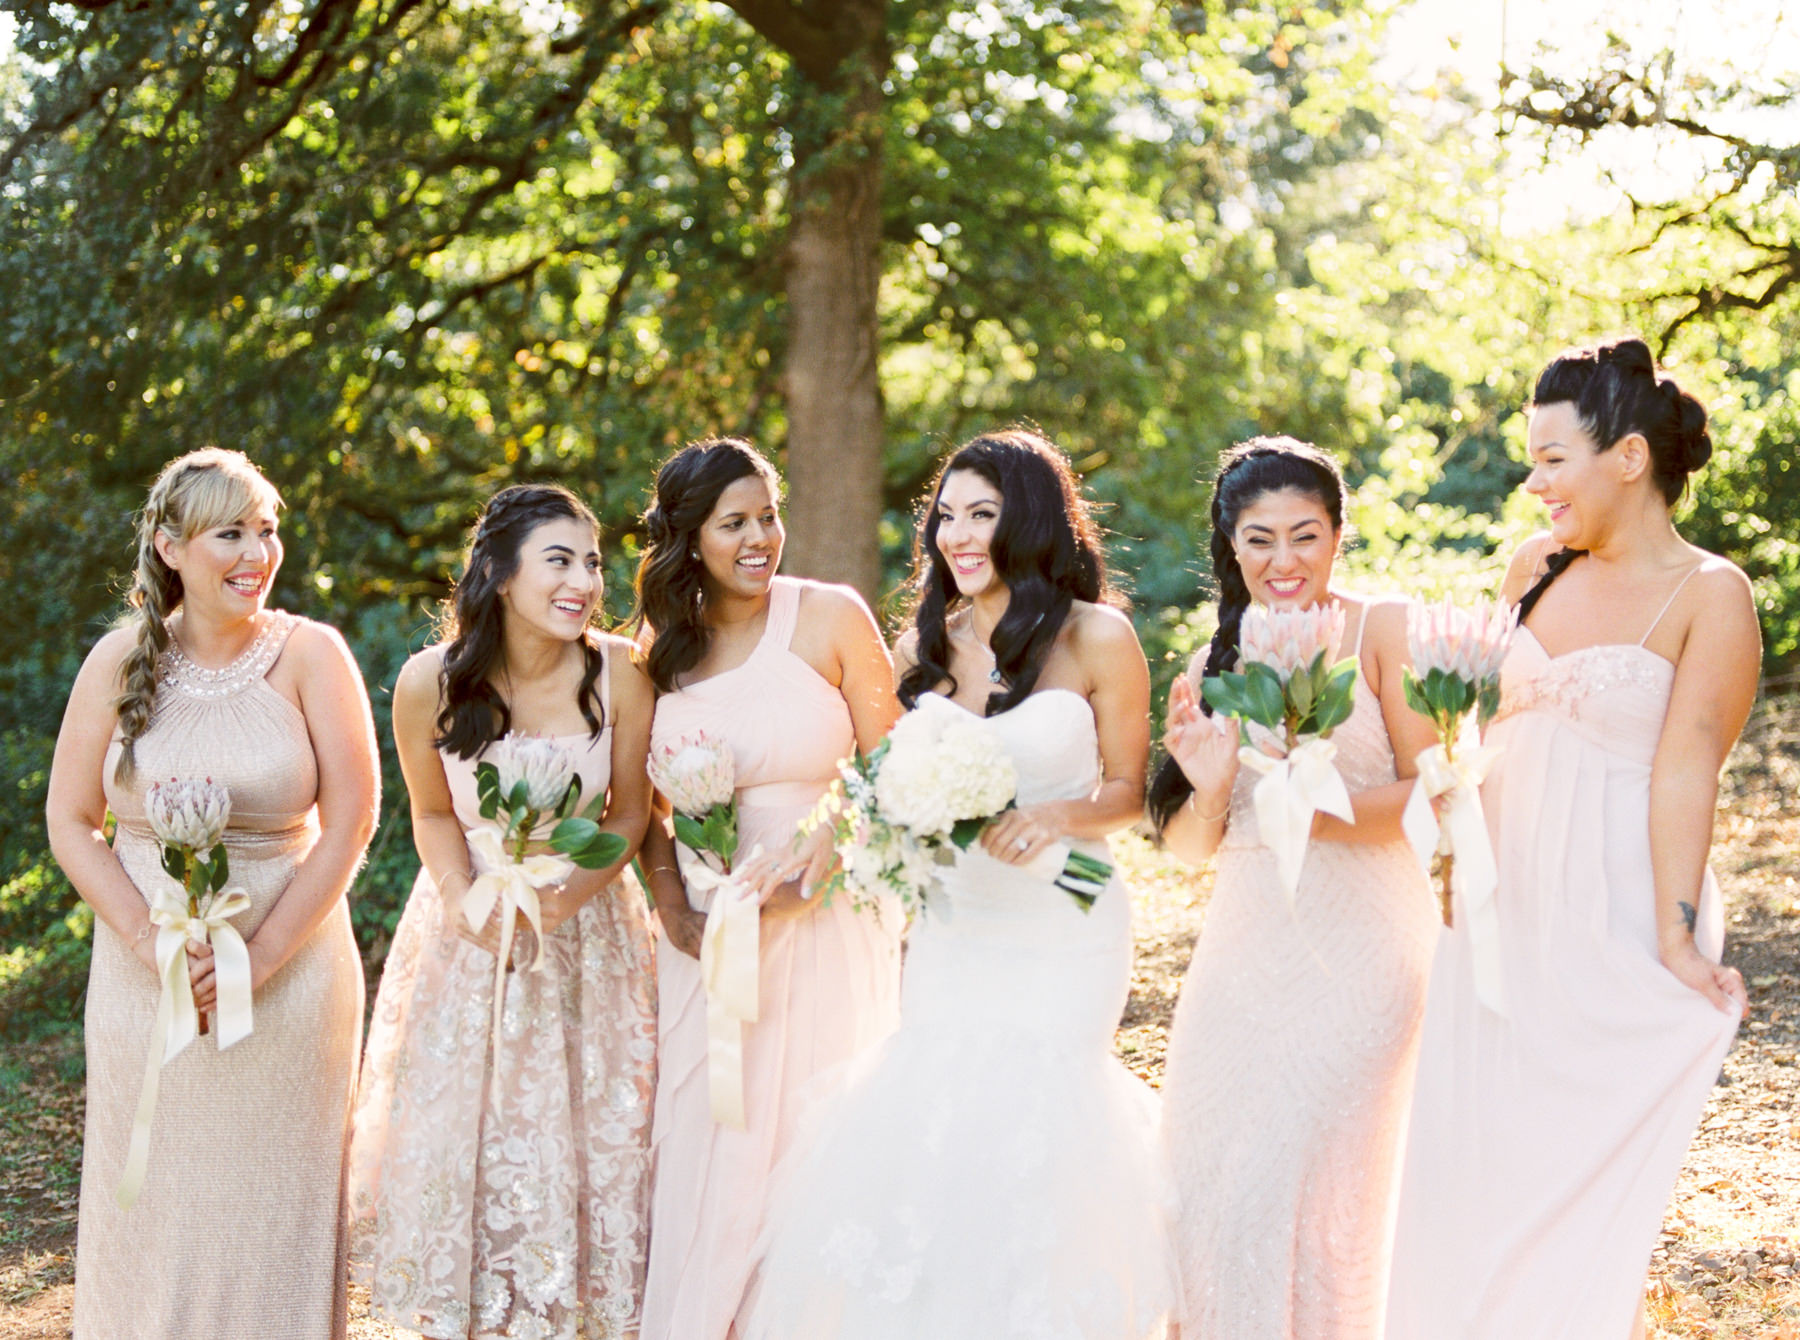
(249, 666)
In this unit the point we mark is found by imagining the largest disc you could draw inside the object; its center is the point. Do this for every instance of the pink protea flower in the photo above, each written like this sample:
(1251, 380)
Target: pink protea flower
(1467, 643)
(1289, 641)
(188, 812)
(695, 773)
(545, 766)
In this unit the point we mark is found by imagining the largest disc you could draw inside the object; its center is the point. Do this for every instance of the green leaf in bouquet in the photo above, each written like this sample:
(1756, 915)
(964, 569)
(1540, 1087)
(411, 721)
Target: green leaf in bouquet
(516, 816)
(689, 833)
(518, 800)
(1336, 700)
(721, 831)
(586, 843)
(1415, 696)
(571, 798)
(1487, 704)
(1264, 695)
(1302, 689)
(964, 832)
(1225, 694)
(175, 864)
(487, 789)
(220, 868)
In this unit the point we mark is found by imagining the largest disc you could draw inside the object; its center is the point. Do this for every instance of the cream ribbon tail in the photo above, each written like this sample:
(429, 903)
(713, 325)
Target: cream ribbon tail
(1291, 790)
(513, 886)
(177, 1020)
(730, 970)
(1463, 832)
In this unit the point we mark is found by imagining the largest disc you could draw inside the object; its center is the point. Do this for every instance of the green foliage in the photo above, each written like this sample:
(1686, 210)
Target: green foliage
(1308, 702)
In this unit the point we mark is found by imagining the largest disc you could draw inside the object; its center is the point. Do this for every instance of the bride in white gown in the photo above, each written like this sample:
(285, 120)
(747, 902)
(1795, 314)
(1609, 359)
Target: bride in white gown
(993, 1174)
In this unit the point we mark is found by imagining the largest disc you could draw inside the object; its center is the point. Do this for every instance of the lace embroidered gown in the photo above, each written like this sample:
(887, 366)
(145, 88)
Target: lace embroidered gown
(238, 1234)
(828, 987)
(1290, 1068)
(993, 1173)
(521, 1216)
(1545, 1144)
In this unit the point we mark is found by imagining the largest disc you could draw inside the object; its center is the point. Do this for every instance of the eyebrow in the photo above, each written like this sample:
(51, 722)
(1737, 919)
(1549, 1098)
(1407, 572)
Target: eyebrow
(558, 549)
(990, 502)
(1259, 528)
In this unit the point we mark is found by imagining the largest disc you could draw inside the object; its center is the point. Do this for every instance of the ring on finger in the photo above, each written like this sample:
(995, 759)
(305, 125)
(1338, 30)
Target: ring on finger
(1022, 843)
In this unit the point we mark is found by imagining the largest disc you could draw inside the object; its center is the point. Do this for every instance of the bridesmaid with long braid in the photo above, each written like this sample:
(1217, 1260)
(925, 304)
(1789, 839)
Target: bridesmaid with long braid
(1292, 1054)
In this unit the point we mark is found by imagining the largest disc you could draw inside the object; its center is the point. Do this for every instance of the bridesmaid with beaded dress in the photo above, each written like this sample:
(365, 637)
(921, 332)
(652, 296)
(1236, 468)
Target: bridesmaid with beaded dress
(499, 1183)
(793, 676)
(238, 1230)
(1292, 1053)
(1545, 1142)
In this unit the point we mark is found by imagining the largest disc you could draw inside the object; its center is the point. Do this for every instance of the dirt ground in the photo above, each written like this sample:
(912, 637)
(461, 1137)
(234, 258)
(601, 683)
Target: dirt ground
(1726, 1264)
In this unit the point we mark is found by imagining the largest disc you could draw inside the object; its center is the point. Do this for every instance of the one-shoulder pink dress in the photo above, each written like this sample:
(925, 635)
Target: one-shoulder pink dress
(1545, 1144)
(829, 988)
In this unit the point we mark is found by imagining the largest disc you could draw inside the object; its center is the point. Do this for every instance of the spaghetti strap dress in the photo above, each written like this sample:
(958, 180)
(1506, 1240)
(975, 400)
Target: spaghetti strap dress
(515, 1208)
(1290, 1070)
(829, 987)
(239, 1231)
(1545, 1144)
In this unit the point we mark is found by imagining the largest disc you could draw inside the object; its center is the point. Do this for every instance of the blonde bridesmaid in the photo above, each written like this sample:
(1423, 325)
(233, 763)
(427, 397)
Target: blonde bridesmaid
(238, 1231)
(793, 676)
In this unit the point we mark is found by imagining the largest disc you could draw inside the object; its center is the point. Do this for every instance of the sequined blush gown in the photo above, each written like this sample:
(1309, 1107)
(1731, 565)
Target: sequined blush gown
(993, 1172)
(522, 1215)
(828, 988)
(1545, 1144)
(238, 1233)
(1290, 1070)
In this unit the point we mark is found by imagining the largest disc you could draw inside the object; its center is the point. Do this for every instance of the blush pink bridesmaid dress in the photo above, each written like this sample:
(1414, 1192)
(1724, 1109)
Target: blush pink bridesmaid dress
(1545, 1144)
(829, 988)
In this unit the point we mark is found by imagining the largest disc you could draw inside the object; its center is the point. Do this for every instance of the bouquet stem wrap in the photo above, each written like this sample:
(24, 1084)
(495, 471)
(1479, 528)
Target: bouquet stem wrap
(730, 971)
(513, 885)
(1290, 792)
(177, 1020)
(1469, 853)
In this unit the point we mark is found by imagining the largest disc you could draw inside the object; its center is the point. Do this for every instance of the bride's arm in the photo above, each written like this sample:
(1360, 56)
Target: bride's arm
(1106, 649)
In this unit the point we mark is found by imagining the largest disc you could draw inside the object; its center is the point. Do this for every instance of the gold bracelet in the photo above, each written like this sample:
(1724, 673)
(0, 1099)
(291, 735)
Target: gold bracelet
(659, 869)
(1208, 818)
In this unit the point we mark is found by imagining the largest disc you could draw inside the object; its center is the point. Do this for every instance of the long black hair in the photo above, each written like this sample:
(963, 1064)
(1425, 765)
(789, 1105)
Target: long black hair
(1616, 390)
(474, 714)
(1046, 549)
(670, 612)
(1249, 471)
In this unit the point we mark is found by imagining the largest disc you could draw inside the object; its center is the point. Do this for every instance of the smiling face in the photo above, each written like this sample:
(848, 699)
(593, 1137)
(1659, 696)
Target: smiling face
(1579, 484)
(1286, 546)
(968, 513)
(740, 541)
(226, 571)
(557, 583)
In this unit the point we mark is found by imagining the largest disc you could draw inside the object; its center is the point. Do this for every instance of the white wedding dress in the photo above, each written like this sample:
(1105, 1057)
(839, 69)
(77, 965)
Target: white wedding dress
(992, 1173)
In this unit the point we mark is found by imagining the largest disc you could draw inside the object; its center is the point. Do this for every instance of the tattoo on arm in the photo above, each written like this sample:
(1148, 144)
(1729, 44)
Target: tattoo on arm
(1689, 915)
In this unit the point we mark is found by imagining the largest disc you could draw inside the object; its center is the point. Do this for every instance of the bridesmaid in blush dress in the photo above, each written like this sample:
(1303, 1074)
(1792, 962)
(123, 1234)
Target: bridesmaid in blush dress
(1545, 1143)
(238, 1232)
(1292, 1053)
(498, 1184)
(793, 676)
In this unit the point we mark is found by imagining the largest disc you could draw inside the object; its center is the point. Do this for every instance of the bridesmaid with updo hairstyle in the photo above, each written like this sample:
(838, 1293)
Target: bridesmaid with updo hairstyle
(1545, 1141)
(1292, 1052)
(499, 1182)
(238, 1230)
(792, 675)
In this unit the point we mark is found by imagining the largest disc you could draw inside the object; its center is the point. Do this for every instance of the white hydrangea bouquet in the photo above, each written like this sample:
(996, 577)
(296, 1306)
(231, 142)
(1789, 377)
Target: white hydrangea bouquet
(521, 782)
(1455, 674)
(1289, 686)
(922, 797)
(698, 775)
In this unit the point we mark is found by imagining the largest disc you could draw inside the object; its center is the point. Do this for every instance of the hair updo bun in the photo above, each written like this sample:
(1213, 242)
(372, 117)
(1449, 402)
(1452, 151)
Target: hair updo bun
(1616, 391)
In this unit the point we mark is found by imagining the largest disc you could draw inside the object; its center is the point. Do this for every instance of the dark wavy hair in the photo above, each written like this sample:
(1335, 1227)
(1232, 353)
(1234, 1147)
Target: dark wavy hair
(1046, 549)
(1249, 471)
(474, 714)
(670, 614)
(1616, 390)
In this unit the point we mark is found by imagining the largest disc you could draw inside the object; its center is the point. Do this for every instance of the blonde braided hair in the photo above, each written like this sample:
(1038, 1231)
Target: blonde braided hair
(196, 492)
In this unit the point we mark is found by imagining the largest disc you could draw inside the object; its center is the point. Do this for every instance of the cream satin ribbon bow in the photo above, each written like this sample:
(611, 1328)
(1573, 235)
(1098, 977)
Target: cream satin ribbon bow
(1475, 875)
(1291, 791)
(730, 967)
(514, 886)
(177, 1021)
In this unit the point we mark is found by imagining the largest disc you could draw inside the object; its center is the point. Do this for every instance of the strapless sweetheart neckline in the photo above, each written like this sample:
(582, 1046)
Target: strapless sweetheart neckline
(1028, 698)
(1596, 646)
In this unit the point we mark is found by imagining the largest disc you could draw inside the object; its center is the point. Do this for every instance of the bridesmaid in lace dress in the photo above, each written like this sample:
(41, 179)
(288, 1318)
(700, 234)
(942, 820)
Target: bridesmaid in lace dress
(238, 1231)
(793, 676)
(499, 1185)
(1545, 1143)
(1292, 1054)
